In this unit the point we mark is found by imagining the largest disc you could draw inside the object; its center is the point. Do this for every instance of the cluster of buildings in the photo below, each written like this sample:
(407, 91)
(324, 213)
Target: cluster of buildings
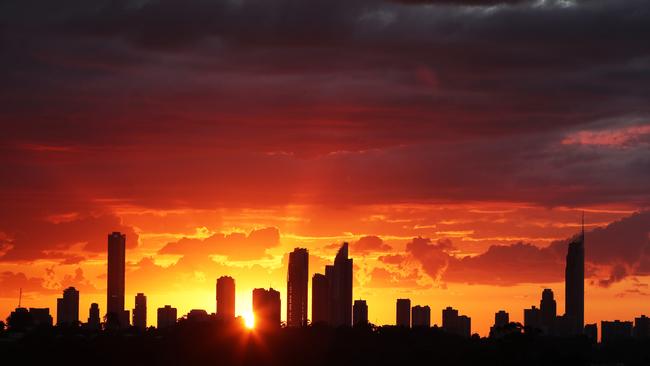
(332, 303)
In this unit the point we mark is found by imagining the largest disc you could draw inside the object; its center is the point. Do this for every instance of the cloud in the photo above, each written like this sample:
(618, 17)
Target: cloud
(12, 282)
(434, 257)
(613, 253)
(616, 137)
(32, 239)
(383, 278)
(369, 244)
(235, 246)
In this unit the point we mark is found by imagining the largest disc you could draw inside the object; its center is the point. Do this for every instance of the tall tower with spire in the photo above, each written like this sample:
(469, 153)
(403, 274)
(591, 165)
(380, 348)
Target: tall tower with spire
(575, 282)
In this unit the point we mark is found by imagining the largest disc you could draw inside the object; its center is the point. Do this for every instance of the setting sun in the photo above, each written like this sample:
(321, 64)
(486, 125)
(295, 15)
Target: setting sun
(249, 319)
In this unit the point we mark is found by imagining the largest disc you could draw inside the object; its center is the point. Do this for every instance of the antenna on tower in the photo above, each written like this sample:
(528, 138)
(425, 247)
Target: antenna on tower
(20, 297)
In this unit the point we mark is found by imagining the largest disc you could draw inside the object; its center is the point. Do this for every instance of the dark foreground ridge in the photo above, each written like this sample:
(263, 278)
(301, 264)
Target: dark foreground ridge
(216, 343)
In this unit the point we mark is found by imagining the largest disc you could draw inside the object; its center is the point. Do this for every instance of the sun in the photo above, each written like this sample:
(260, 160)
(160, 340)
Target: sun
(249, 319)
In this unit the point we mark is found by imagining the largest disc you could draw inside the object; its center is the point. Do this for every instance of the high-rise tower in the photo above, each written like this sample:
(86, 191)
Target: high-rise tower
(575, 282)
(297, 286)
(115, 278)
(226, 297)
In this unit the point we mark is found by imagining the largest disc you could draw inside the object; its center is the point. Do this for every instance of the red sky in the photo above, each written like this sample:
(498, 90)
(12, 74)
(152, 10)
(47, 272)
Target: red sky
(454, 144)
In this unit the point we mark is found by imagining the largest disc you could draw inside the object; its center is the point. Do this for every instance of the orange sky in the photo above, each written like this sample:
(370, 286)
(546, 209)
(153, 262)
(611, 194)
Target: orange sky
(454, 144)
(184, 273)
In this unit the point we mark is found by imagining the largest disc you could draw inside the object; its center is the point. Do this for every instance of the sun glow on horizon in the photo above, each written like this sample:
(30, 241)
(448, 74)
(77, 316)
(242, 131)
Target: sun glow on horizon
(249, 319)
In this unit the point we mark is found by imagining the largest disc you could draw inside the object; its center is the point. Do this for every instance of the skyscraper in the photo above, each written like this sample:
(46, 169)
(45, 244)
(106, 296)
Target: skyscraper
(167, 316)
(403, 313)
(297, 287)
(226, 297)
(115, 278)
(533, 319)
(615, 331)
(339, 277)
(140, 311)
(575, 283)
(360, 313)
(548, 309)
(319, 299)
(67, 307)
(267, 308)
(421, 316)
(41, 316)
(501, 318)
(93, 317)
(456, 324)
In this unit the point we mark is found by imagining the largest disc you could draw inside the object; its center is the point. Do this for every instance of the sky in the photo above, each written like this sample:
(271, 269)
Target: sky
(453, 144)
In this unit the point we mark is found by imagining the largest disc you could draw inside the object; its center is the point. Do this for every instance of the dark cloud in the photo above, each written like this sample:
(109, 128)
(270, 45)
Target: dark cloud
(236, 245)
(369, 244)
(613, 253)
(383, 278)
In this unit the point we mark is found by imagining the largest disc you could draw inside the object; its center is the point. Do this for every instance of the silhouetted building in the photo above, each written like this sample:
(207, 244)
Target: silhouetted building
(575, 283)
(548, 309)
(533, 319)
(115, 280)
(501, 318)
(591, 332)
(403, 313)
(197, 316)
(20, 320)
(267, 308)
(456, 324)
(615, 331)
(42, 317)
(319, 299)
(421, 316)
(140, 312)
(339, 277)
(297, 287)
(642, 327)
(67, 307)
(94, 321)
(226, 297)
(359, 313)
(167, 317)
(502, 326)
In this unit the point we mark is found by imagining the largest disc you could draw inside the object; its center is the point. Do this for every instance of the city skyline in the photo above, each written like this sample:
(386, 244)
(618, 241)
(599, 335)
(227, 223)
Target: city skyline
(338, 311)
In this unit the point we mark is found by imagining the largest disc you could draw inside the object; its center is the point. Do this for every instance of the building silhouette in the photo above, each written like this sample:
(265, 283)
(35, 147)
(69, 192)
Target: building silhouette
(94, 321)
(403, 313)
(140, 312)
(319, 299)
(548, 309)
(116, 281)
(41, 317)
(332, 292)
(591, 332)
(359, 313)
(575, 283)
(641, 327)
(615, 331)
(501, 325)
(226, 297)
(67, 307)
(167, 317)
(197, 316)
(20, 320)
(297, 287)
(339, 277)
(454, 323)
(533, 319)
(501, 318)
(267, 308)
(421, 316)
